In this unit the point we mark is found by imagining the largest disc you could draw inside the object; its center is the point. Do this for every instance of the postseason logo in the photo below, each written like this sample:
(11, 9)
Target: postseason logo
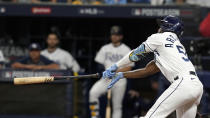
(154, 12)
(90, 11)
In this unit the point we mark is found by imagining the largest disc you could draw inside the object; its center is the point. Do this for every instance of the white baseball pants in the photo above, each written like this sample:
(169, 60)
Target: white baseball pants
(183, 95)
(100, 88)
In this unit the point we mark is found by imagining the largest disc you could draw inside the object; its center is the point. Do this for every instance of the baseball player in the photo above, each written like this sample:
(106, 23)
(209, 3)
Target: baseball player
(108, 55)
(185, 91)
(60, 56)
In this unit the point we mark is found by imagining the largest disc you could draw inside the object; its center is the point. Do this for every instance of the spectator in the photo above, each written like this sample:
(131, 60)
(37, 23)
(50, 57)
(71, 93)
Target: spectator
(2, 59)
(199, 2)
(161, 2)
(110, 2)
(35, 61)
(53, 1)
(62, 57)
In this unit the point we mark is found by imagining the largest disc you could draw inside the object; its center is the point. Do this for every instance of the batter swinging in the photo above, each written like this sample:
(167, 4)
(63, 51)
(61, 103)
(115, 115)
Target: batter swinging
(185, 91)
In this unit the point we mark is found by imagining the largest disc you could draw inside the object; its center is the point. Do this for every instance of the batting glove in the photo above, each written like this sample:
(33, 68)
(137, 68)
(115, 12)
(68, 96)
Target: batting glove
(110, 72)
(115, 79)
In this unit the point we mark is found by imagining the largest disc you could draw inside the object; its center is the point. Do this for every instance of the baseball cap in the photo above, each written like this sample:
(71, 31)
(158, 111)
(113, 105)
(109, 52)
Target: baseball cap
(116, 30)
(34, 46)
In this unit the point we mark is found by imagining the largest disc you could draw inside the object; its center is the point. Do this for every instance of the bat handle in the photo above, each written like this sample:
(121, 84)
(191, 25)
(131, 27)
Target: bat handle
(99, 75)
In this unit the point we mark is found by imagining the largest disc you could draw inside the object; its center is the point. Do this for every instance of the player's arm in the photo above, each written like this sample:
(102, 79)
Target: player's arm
(18, 65)
(150, 69)
(48, 64)
(47, 67)
(133, 56)
(124, 69)
(22, 64)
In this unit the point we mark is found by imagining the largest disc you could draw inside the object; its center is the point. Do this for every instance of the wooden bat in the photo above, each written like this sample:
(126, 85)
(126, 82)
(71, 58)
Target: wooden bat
(108, 106)
(47, 79)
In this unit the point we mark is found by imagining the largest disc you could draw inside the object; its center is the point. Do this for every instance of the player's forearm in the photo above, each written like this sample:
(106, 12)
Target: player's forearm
(50, 66)
(124, 61)
(18, 65)
(139, 73)
(128, 68)
(150, 69)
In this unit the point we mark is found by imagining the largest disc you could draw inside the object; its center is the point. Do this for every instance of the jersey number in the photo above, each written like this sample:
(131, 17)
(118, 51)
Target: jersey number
(182, 51)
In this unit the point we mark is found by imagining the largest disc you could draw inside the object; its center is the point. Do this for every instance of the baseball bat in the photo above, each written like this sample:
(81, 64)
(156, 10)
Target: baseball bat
(47, 79)
(108, 106)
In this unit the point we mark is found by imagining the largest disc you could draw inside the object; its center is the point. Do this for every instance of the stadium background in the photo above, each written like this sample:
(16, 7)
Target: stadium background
(83, 28)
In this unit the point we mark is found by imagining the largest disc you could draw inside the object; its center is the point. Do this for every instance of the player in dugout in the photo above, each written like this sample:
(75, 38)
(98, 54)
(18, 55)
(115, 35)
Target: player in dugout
(185, 92)
(60, 56)
(35, 61)
(108, 55)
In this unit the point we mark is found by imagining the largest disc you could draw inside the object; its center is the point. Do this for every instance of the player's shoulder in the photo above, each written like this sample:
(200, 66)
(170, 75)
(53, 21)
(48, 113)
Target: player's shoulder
(125, 46)
(106, 46)
(166, 34)
(44, 51)
(62, 51)
(156, 35)
(159, 36)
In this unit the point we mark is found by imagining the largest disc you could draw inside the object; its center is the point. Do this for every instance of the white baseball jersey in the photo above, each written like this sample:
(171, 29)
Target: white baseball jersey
(109, 54)
(170, 54)
(63, 58)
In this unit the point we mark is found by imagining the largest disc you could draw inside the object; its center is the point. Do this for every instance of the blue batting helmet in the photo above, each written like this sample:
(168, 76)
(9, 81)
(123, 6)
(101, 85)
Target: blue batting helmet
(172, 24)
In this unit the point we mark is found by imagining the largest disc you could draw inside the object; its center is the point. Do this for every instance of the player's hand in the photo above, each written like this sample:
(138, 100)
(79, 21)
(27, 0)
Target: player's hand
(115, 79)
(110, 72)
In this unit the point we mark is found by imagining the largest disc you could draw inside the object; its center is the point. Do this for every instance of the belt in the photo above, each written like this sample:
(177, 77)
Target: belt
(190, 72)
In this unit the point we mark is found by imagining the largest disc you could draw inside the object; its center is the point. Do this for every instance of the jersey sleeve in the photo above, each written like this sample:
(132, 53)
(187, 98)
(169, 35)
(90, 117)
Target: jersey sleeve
(152, 42)
(100, 56)
(72, 63)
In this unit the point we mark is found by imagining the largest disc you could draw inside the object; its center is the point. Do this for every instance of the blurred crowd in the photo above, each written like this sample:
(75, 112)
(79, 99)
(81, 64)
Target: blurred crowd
(110, 2)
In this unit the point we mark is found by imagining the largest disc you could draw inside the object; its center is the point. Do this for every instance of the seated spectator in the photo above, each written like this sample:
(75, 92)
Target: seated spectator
(53, 1)
(60, 56)
(35, 61)
(199, 2)
(140, 1)
(110, 2)
(161, 2)
(37, 1)
(77, 2)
